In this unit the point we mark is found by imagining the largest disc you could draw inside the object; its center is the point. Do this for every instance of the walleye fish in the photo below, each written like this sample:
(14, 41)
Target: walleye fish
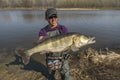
(59, 43)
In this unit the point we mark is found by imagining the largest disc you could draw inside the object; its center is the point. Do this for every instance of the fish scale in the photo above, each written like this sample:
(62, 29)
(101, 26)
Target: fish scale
(59, 43)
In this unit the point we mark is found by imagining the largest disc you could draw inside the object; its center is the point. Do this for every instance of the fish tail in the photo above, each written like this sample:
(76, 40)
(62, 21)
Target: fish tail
(25, 57)
(20, 52)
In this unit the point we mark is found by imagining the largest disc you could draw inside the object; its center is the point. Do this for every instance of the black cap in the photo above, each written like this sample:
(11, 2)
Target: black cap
(49, 12)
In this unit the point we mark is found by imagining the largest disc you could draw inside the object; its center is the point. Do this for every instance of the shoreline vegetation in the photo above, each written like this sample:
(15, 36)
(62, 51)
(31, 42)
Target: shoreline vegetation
(59, 4)
(60, 9)
(46, 8)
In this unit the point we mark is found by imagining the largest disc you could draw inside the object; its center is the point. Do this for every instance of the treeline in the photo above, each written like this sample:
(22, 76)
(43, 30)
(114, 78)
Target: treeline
(60, 3)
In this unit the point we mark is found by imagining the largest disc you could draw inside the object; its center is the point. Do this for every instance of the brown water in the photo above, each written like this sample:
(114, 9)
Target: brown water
(20, 28)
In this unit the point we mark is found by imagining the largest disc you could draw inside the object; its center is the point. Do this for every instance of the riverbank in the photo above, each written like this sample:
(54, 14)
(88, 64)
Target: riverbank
(60, 8)
(89, 64)
(46, 8)
(60, 3)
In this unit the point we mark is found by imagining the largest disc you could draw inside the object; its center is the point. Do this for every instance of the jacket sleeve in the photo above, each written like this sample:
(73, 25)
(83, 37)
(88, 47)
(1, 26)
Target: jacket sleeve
(42, 32)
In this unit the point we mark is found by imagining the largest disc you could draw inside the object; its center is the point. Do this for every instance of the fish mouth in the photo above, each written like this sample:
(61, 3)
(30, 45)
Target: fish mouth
(91, 40)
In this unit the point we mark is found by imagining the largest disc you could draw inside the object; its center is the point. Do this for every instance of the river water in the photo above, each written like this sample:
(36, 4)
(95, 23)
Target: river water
(19, 28)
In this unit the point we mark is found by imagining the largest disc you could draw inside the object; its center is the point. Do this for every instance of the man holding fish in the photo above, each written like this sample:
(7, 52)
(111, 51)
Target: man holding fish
(54, 61)
(54, 41)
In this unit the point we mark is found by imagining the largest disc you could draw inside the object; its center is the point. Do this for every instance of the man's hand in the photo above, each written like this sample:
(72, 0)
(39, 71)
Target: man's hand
(37, 42)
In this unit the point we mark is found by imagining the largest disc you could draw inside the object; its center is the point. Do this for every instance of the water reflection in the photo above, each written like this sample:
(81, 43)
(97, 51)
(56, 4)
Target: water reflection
(20, 28)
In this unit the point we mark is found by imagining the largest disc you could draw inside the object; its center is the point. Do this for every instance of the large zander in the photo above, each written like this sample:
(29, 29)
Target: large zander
(59, 43)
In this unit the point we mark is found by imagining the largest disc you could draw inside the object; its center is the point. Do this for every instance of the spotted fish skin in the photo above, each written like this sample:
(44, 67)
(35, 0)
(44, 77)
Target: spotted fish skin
(59, 43)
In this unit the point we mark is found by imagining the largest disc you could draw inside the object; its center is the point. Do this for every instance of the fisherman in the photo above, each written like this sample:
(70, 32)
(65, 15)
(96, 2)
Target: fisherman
(54, 61)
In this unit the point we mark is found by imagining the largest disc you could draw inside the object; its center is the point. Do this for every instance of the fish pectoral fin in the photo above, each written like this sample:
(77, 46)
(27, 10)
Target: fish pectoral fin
(44, 52)
(67, 50)
(74, 49)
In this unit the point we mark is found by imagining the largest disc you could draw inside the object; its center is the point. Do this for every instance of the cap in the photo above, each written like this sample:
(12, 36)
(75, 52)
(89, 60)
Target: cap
(49, 12)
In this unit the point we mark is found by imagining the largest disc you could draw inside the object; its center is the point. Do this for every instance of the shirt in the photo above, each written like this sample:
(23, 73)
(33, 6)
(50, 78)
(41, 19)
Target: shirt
(62, 29)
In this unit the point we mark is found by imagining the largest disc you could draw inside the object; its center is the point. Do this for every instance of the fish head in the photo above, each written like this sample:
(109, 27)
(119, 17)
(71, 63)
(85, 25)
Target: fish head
(82, 40)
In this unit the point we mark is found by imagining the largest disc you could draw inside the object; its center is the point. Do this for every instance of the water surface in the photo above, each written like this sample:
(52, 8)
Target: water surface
(20, 28)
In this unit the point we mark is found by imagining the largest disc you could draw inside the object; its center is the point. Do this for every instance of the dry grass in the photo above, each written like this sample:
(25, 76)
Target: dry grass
(96, 65)
(89, 64)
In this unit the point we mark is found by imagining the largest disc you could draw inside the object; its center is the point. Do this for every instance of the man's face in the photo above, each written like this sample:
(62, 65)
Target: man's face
(52, 20)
